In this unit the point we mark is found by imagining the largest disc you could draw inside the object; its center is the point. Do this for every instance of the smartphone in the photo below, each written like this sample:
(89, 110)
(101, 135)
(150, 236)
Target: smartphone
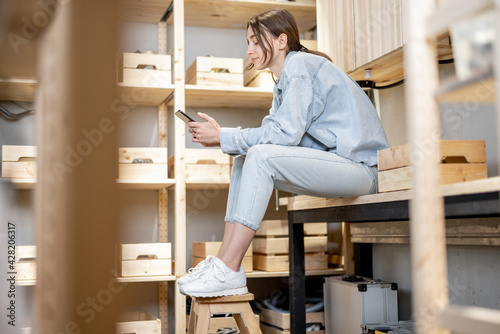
(182, 115)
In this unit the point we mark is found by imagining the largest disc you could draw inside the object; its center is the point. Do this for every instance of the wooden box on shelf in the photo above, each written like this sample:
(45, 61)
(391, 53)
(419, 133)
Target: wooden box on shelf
(460, 161)
(215, 71)
(200, 250)
(145, 70)
(142, 163)
(257, 78)
(147, 259)
(26, 263)
(18, 161)
(137, 322)
(270, 246)
(205, 166)
(276, 322)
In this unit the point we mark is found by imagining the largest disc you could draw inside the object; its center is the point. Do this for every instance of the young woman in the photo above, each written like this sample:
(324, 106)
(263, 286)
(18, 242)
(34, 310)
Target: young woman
(320, 138)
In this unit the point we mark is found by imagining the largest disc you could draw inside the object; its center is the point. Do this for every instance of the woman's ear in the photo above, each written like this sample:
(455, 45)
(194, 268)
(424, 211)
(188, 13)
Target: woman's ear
(282, 41)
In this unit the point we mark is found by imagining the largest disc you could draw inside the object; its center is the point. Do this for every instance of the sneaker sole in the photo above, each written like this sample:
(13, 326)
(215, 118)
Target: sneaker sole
(230, 292)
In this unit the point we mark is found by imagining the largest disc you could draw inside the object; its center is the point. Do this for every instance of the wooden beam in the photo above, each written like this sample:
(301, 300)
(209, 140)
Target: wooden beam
(428, 249)
(76, 198)
(180, 143)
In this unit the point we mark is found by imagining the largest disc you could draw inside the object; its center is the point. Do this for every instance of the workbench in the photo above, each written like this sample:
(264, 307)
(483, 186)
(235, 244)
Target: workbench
(472, 199)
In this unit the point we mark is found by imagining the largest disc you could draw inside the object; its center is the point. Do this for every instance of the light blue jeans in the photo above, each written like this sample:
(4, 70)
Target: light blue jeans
(294, 169)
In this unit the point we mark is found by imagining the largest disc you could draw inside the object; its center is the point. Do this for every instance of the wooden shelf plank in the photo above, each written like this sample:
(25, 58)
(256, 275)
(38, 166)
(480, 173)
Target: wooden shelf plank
(385, 70)
(129, 184)
(145, 279)
(145, 184)
(470, 319)
(234, 14)
(23, 183)
(480, 87)
(144, 96)
(452, 12)
(228, 97)
(263, 274)
(31, 282)
(206, 185)
(143, 11)
(303, 202)
(18, 89)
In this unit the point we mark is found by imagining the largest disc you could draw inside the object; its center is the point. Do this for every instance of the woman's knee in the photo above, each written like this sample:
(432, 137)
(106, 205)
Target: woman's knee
(259, 152)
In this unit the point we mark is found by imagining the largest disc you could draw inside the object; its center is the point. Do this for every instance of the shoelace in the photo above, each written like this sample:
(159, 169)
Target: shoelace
(217, 271)
(198, 266)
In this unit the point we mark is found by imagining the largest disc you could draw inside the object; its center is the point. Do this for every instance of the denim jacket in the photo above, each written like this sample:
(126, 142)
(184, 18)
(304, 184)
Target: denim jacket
(315, 105)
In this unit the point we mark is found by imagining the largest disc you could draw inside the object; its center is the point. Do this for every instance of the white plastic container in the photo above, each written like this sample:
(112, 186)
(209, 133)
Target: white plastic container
(351, 305)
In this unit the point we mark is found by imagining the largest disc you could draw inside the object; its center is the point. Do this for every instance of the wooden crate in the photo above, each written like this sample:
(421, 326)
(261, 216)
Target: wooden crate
(145, 70)
(148, 259)
(271, 246)
(460, 161)
(257, 78)
(205, 166)
(26, 263)
(142, 163)
(200, 250)
(216, 71)
(137, 322)
(18, 161)
(279, 245)
(280, 228)
(266, 262)
(281, 321)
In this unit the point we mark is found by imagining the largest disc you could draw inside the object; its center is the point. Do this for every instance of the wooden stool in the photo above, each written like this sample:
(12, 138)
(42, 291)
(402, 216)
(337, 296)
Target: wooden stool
(238, 306)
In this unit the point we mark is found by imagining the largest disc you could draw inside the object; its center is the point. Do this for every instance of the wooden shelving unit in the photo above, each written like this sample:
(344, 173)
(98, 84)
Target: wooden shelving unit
(146, 96)
(480, 86)
(324, 272)
(139, 279)
(143, 184)
(234, 14)
(228, 97)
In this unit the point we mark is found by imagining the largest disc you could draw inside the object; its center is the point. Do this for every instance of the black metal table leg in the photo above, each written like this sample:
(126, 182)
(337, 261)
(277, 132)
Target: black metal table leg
(297, 277)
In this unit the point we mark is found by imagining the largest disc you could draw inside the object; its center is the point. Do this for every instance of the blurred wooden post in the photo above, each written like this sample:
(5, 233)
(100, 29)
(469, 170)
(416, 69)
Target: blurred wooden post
(427, 228)
(76, 199)
(180, 181)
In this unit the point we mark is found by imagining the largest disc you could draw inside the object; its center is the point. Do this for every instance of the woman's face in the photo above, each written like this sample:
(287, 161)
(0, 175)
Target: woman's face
(255, 51)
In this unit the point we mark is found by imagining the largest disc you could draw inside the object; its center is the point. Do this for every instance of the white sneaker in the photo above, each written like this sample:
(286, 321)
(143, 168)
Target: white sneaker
(217, 281)
(194, 272)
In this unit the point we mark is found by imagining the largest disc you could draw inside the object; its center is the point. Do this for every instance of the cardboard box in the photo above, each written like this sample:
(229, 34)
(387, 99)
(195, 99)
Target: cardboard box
(200, 250)
(147, 259)
(137, 322)
(460, 161)
(19, 161)
(216, 71)
(145, 70)
(142, 163)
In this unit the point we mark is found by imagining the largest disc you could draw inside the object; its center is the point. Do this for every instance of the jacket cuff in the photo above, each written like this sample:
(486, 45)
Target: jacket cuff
(228, 140)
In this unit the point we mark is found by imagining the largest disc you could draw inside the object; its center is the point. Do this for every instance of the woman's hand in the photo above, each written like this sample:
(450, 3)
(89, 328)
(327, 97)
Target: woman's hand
(205, 133)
